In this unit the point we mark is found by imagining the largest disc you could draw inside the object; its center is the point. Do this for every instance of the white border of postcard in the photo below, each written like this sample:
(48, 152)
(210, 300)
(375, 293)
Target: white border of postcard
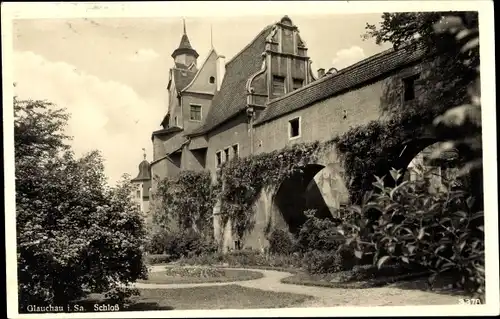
(33, 10)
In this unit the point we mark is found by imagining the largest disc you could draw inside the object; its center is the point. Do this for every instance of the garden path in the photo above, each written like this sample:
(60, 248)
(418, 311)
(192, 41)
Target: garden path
(325, 297)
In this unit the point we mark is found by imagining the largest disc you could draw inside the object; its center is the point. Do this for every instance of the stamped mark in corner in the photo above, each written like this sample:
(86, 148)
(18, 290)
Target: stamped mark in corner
(469, 301)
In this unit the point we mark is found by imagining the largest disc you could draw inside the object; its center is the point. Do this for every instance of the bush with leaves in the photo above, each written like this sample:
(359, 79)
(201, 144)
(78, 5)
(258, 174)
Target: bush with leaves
(156, 242)
(187, 243)
(406, 223)
(74, 233)
(281, 242)
(322, 245)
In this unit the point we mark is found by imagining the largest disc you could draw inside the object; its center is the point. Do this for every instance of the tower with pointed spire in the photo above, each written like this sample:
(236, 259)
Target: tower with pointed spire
(185, 54)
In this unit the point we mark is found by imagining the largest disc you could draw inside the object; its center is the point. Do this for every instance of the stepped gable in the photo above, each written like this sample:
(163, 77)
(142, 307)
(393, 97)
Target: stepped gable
(345, 80)
(231, 99)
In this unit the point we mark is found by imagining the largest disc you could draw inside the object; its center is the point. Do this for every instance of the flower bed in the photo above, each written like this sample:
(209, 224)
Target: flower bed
(184, 275)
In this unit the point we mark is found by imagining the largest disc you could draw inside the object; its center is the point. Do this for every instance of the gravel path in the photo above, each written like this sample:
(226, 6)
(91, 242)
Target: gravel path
(325, 297)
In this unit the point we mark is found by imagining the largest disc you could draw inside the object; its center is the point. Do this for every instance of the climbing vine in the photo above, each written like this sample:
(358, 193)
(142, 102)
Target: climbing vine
(242, 179)
(371, 149)
(187, 201)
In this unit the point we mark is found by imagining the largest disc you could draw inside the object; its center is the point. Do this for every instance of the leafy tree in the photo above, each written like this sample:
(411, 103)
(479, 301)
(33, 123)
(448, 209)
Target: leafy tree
(448, 75)
(75, 234)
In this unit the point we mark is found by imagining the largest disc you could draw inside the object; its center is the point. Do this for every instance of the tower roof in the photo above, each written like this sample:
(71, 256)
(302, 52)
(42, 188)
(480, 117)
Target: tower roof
(144, 171)
(185, 46)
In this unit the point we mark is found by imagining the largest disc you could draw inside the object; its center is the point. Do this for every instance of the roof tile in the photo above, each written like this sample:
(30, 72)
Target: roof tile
(182, 78)
(231, 99)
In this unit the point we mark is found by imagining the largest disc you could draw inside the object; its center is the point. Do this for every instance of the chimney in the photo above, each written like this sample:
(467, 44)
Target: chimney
(221, 69)
(321, 73)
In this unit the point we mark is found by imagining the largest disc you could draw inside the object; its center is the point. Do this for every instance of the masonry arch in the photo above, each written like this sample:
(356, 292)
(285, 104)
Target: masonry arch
(414, 155)
(319, 186)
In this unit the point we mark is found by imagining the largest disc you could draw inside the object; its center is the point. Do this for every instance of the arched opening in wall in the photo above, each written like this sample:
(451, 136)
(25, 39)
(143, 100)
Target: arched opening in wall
(416, 163)
(315, 187)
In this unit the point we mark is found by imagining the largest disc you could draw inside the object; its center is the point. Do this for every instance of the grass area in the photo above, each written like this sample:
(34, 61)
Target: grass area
(191, 277)
(211, 297)
(221, 297)
(358, 278)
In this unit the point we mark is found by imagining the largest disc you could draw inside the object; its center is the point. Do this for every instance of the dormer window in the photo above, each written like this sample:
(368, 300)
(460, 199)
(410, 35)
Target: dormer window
(409, 87)
(211, 80)
(195, 113)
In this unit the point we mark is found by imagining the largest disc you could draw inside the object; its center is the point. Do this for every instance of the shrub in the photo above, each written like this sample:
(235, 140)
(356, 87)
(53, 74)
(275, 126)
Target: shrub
(158, 259)
(281, 242)
(318, 261)
(245, 258)
(318, 234)
(439, 232)
(188, 243)
(156, 243)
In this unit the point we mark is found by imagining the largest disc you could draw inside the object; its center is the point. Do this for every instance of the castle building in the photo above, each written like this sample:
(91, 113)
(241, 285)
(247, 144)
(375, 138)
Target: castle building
(141, 187)
(266, 98)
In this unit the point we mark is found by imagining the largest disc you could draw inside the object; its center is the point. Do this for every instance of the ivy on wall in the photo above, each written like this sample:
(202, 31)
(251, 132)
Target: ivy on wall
(186, 202)
(373, 149)
(242, 179)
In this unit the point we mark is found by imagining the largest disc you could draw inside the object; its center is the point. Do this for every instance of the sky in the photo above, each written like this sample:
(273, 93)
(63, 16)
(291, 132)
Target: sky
(111, 73)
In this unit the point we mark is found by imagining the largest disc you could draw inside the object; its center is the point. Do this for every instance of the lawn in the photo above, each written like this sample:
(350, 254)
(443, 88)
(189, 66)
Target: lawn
(181, 275)
(221, 297)
(211, 297)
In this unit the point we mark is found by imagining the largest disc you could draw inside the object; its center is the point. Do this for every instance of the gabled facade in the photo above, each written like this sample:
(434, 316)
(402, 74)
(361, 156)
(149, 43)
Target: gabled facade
(205, 102)
(190, 91)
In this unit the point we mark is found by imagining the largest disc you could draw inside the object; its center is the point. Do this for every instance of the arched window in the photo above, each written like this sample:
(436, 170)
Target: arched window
(211, 80)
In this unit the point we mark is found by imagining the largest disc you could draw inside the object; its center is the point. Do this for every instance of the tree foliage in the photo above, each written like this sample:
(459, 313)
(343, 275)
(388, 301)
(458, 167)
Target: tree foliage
(447, 79)
(74, 233)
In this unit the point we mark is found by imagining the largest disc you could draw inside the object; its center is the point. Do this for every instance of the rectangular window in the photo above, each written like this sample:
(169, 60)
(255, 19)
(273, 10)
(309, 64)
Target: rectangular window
(138, 194)
(294, 128)
(226, 154)
(297, 83)
(409, 87)
(236, 151)
(195, 113)
(278, 85)
(218, 158)
(176, 122)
